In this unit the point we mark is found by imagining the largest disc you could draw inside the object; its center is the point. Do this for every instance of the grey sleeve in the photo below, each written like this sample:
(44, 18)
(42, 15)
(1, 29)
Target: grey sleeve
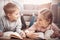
(1, 25)
(19, 26)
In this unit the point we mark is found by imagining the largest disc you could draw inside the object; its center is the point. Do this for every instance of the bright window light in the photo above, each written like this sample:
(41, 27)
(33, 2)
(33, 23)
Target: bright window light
(36, 1)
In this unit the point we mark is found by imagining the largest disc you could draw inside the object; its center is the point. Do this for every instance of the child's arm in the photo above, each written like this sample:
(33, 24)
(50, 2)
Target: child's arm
(56, 30)
(18, 28)
(36, 35)
(30, 32)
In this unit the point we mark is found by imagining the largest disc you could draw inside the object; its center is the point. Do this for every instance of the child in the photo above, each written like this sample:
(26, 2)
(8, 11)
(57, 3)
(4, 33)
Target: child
(11, 21)
(43, 26)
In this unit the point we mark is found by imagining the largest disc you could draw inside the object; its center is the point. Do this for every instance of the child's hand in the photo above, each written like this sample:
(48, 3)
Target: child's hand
(22, 34)
(27, 32)
(1, 34)
(41, 35)
(31, 34)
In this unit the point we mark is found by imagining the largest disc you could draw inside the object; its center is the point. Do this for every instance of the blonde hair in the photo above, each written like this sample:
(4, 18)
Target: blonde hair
(10, 8)
(47, 14)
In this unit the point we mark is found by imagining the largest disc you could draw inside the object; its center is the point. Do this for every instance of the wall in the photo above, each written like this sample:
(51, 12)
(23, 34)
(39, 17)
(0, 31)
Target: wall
(25, 8)
(30, 8)
(56, 11)
(1, 7)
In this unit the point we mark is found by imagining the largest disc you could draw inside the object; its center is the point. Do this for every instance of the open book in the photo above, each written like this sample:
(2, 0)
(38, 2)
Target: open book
(10, 34)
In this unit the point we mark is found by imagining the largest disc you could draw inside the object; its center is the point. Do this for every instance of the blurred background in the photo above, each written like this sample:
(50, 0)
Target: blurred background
(27, 7)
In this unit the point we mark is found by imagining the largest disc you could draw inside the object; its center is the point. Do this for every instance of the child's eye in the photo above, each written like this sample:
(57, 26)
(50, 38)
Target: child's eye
(40, 20)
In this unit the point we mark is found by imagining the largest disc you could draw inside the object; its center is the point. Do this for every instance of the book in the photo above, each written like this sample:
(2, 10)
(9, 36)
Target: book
(48, 33)
(10, 34)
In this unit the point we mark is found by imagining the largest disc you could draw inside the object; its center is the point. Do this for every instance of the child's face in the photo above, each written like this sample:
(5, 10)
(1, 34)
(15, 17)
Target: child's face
(13, 16)
(42, 21)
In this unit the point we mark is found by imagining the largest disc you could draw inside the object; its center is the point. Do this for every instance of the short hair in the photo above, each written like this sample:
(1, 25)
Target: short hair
(10, 8)
(47, 14)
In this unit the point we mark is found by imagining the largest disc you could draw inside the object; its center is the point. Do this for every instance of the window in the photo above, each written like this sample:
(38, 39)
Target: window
(36, 1)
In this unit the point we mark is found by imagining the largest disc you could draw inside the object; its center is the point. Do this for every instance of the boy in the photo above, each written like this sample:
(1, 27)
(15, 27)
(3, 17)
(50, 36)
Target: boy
(11, 21)
(43, 26)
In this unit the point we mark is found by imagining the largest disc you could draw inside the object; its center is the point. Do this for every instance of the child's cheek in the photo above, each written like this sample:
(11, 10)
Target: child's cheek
(44, 24)
(15, 17)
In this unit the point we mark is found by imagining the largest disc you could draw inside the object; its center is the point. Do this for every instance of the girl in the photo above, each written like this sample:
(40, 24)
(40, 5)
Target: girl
(43, 26)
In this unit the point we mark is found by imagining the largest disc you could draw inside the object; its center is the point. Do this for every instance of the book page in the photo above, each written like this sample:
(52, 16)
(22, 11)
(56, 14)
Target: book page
(10, 34)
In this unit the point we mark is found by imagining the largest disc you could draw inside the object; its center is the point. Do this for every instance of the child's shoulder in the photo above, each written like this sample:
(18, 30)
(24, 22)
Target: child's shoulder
(2, 17)
(54, 26)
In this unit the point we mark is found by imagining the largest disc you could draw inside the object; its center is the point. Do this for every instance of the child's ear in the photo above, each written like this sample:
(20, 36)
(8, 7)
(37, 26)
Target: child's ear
(8, 15)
